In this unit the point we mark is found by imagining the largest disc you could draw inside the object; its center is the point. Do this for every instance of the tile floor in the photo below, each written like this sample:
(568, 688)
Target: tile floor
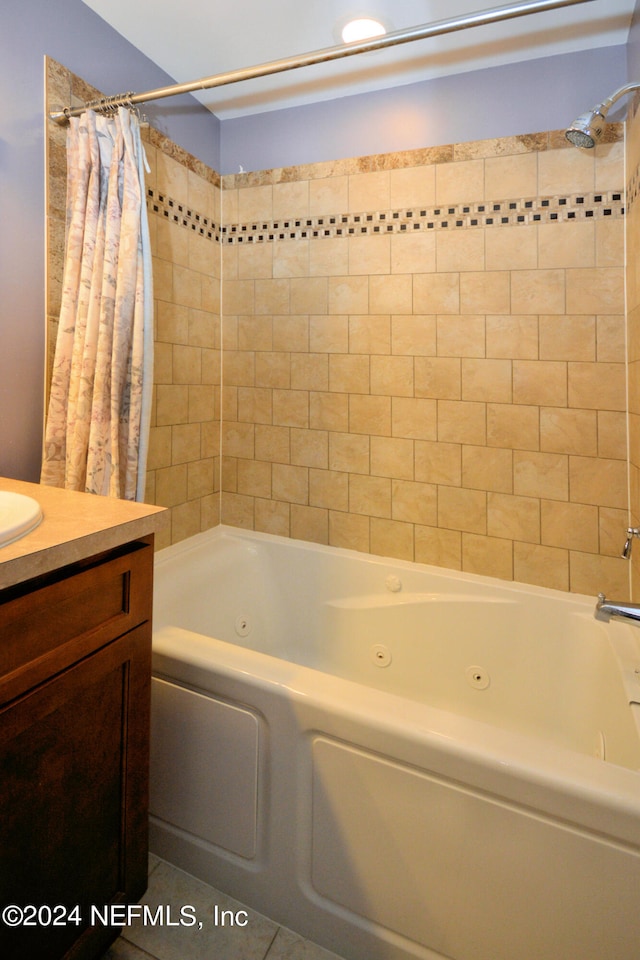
(252, 937)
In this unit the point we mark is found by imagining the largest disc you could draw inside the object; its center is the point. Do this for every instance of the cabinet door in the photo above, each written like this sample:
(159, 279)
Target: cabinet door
(73, 800)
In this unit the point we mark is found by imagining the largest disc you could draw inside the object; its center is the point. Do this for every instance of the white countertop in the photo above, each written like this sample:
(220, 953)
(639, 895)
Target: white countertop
(74, 526)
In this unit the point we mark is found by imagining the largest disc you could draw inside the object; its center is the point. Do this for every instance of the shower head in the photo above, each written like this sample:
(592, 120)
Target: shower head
(588, 129)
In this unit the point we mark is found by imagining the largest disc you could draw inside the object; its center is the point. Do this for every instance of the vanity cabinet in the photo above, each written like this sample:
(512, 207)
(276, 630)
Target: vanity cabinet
(75, 671)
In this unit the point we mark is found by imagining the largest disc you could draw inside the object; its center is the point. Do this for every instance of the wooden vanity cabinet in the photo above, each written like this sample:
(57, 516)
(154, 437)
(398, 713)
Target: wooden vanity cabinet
(75, 672)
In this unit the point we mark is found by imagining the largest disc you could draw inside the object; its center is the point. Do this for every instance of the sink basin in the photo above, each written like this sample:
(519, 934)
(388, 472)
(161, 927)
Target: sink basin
(18, 516)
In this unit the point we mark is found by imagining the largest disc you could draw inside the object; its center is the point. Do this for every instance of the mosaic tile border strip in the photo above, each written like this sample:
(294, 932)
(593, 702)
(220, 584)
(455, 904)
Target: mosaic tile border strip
(529, 211)
(174, 211)
(465, 216)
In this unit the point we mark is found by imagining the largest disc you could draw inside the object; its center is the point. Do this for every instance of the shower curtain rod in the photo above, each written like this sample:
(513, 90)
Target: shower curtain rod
(481, 18)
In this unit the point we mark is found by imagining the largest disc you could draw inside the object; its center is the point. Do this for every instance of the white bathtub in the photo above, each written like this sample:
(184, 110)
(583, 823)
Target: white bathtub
(395, 760)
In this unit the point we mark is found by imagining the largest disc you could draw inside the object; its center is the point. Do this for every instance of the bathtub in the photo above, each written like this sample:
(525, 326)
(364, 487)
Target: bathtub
(394, 760)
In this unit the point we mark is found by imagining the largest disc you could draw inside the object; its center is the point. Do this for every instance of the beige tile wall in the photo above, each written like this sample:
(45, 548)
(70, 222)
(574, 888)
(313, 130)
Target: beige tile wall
(449, 395)
(454, 396)
(184, 449)
(633, 334)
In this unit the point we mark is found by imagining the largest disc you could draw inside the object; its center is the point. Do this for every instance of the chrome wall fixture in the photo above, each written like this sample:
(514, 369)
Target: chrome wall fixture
(588, 128)
(628, 544)
(616, 610)
(426, 31)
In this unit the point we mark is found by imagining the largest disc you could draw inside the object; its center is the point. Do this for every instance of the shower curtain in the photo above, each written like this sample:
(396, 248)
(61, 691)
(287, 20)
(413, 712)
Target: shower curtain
(96, 433)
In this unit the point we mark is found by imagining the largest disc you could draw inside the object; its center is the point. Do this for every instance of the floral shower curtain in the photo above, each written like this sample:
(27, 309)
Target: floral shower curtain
(96, 434)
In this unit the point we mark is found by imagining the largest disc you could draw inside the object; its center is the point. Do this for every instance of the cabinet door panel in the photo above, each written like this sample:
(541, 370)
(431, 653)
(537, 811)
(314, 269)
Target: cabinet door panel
(73, 755)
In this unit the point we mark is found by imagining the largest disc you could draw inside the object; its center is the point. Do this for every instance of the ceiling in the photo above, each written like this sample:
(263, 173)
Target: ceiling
(216, 36)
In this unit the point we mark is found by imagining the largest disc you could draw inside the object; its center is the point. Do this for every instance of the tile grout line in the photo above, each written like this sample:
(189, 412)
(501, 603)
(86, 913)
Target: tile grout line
(273, 940)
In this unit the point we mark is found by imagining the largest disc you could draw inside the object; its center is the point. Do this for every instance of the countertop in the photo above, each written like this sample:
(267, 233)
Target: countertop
(75, 526)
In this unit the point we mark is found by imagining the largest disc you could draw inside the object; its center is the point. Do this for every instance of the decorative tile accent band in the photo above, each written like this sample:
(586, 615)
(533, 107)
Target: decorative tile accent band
(592, 206)
(182, 214)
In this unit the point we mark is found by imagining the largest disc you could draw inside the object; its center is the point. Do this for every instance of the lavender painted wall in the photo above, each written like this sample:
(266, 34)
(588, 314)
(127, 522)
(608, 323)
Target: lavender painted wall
(71, 33)
(545, 94)
(633, 46)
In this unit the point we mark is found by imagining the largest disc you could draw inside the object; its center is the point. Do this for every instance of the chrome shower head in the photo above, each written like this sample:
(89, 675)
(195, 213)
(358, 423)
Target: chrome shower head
(587, 130)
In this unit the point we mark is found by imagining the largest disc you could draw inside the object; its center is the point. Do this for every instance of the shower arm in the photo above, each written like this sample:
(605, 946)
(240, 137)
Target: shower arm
(604, 107)
(481, 18)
